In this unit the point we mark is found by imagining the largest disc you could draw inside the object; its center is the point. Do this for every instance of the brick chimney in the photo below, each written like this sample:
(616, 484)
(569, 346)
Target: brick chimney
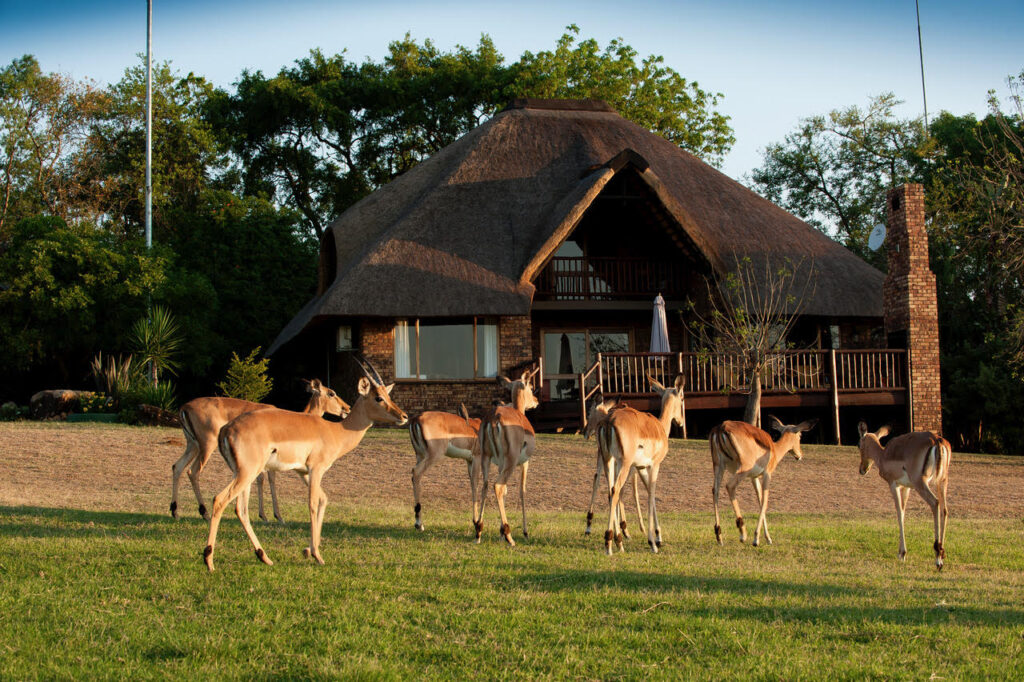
(909, 301)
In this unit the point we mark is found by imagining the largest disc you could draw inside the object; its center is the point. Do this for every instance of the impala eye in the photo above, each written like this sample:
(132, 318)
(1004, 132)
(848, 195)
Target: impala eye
(331, 393)
(379, 399)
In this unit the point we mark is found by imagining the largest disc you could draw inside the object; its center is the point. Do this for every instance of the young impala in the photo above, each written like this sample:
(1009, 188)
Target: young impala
(282, 441)
(748, 452)
(437, 434)
(596, 418)
(917, 460)
(637, 439)
(507, 436)
(201, 421)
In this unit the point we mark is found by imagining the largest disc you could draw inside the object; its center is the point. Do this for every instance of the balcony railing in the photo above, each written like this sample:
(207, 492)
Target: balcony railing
(800, 371)
(586, 279)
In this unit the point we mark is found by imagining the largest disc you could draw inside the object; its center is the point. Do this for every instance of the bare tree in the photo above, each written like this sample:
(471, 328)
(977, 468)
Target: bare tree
(749, 314)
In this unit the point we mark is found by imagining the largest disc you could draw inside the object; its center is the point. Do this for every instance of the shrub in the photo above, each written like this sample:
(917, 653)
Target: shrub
(118, 376)
(96, 403)
(247, 378)
(10, 412)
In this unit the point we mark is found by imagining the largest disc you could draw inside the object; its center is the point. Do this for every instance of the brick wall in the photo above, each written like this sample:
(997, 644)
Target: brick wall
(911, 310)
(378, 345)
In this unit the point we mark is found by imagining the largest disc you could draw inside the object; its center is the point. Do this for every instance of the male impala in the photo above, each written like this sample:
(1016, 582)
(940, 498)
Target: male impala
(507, 436)
(748, 452)
(917, 460)
(637, 439)
(202, 419)
(597, 416)
(434, 434)
(282, 441)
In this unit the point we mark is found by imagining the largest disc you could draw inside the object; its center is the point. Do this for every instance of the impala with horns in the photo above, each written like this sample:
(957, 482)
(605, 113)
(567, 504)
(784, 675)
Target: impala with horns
(203, 418)
(746, 451)
(437, 434)
(918, 460)
(507, 437)
(282, 441)
(596, 418)
(638, 439)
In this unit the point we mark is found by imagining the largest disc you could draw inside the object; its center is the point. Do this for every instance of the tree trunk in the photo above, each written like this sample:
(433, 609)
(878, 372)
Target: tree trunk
(752, 415)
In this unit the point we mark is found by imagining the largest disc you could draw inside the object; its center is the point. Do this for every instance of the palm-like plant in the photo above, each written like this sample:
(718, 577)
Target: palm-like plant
(157, 340)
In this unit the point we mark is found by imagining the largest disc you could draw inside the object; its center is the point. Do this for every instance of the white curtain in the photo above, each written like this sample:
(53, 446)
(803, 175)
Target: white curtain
(487, 349)
(403, 370)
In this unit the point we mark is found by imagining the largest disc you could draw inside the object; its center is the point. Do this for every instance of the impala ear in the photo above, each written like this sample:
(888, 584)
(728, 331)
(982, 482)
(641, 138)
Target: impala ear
(807, 425)
(862, 428)
(505, 381)
(680, 383)
(388, 388)
(882, 432)
(364, 386)
(463, 412)
(776, 423)
(314, 386)
(610, 404)
(656, 385)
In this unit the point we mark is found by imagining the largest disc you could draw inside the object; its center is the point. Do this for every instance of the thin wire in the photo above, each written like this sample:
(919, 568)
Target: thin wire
(920, 52)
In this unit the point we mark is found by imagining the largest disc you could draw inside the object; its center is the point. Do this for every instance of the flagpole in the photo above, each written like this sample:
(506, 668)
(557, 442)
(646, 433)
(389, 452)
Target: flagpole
(149, 124)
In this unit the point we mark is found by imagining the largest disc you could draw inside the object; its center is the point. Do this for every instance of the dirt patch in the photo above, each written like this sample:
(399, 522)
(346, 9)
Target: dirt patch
(113, 467)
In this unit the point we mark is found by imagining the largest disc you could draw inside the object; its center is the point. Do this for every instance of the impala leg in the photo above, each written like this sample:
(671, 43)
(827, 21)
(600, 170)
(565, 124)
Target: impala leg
(317, 505)
(944, 514)
(593, 493)
(500, 488)
(482, 465)
(259, 495)
(899, 498)
(422, 464)
(756, 481)
(719, 471)
(241, 481)
(178, 468)
(206, 448)
(926, 493)
(762, 519)
(636, 501)
(615, 493)
(272, 482)
(522, 495)
(730, 488)
(653, 527)
(242, 512)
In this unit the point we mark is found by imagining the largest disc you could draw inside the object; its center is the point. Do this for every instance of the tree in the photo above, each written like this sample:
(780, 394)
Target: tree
(43, 120)
(833, 171)
(157, 340)
(750, 312)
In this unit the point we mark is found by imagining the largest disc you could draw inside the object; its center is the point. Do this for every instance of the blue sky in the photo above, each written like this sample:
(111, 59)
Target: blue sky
(775, 61)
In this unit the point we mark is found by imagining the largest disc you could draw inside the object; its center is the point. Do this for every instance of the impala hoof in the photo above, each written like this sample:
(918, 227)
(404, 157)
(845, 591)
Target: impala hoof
(264, 519)
(718, 534)
(262, 556)
(208, 558)
(587, 531)
(202, 512)
(653, 545)
(174, 510)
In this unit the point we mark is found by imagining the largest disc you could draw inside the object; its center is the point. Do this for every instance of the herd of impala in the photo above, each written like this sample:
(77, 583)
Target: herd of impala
(254, 439)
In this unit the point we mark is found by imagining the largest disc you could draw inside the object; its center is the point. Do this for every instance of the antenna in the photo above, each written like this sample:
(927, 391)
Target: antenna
(877, 237)
(920, 53)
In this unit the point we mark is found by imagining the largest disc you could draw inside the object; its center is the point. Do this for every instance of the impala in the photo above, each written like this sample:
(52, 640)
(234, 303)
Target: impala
(597, 416)
(201, 421)
(281, 441)
(436, 434)
(748, 452)
(506, 436)
(637, 439)
(917, 460)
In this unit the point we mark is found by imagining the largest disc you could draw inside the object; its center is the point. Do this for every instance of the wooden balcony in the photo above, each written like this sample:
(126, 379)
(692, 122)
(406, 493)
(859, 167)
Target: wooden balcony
(607, 279)
(791, 379)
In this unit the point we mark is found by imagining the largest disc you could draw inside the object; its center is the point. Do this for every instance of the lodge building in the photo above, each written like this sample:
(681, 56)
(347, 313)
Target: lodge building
(543, 236)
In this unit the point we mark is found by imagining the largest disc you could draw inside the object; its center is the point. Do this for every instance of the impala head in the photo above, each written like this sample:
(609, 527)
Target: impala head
(377, 397)
(598, 414)
(522, 391)
(796, 429)
(867, 439)
(325, 399)
(671, 398)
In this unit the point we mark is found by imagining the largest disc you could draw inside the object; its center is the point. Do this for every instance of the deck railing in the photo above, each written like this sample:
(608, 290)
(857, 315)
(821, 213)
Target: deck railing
(798, 371)
(582, 279)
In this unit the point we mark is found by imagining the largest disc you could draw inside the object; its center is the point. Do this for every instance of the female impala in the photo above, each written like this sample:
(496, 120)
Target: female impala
(748, 452)
(202, 419)
(637, 439)
(596, 418)
(917, 460)
(434, 434)
(507, 436)
(282, 441)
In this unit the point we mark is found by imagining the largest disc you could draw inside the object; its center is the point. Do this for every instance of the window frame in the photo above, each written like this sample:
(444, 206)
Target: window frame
(414, 324)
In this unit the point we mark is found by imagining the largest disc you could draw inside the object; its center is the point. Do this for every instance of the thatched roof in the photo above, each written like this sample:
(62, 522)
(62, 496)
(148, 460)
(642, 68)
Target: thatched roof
(465, 232)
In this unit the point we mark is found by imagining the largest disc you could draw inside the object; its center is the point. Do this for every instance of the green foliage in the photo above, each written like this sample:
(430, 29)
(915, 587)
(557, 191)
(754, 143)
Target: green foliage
(647, 93)
(11, 412)
(95, 403)
(247, 378)
(157, 339)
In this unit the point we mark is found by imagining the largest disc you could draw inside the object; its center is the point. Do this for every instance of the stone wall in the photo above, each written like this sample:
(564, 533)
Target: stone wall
(911, 310)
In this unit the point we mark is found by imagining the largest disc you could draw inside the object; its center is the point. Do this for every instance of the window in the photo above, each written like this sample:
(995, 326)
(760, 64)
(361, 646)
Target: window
(446, 350)
(568, 353)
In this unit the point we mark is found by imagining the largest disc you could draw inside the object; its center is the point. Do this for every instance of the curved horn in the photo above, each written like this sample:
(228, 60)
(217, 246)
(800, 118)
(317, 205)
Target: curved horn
(369, 370)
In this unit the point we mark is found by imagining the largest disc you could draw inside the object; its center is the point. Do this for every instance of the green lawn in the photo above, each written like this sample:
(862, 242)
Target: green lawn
(98, 594)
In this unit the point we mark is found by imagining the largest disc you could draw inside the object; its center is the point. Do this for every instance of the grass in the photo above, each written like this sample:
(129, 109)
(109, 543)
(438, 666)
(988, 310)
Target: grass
(105, 595)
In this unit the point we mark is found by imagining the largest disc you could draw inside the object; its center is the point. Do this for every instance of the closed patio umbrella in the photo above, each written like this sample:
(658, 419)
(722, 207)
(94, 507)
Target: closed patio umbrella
(659, 328)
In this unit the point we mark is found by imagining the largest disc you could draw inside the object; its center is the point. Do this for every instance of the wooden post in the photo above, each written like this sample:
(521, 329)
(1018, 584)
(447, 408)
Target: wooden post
(834, 392)
(682, 394)
(600, 374)
(583, 402)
